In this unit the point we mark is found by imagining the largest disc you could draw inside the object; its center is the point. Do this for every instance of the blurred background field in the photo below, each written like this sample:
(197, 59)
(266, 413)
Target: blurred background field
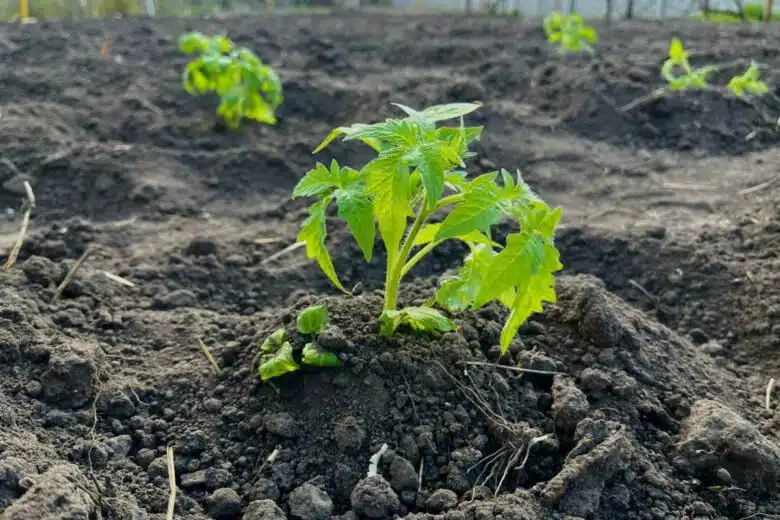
(722, 11)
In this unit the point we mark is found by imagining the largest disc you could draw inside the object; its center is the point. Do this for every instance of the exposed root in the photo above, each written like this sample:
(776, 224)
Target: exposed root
(70, 275)
(171, 482)
(28, 207)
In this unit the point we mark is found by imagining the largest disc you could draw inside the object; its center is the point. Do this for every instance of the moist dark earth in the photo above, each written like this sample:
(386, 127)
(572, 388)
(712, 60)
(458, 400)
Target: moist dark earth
(646, 398)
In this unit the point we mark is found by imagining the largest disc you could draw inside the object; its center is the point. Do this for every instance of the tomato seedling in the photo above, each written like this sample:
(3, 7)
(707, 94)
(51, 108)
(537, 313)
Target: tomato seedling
(246, 87)
(277, 355)
(748, 83)
(569, 32)
(416, 174)
(690, 78)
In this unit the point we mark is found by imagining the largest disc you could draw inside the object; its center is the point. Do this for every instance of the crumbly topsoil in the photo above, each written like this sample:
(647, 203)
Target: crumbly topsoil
(638, 396)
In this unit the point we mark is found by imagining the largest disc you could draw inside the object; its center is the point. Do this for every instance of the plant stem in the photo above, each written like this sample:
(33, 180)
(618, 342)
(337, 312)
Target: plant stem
(448, 201)
(395, 269)
(419, 256)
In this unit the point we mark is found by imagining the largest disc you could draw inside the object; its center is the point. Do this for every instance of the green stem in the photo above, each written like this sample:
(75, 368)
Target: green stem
(395, 270)
(448, 201)
(419, 256)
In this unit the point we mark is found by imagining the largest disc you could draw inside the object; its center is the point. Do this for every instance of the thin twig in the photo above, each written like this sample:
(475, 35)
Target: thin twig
(420, 475)
(759, 187)
(214, 364)
(28, 206)
(70, 275)
(283, 252)
(267, 240)
(514, 369)
(118, 279)
(647, 98)
(171, 482)
(770, 387)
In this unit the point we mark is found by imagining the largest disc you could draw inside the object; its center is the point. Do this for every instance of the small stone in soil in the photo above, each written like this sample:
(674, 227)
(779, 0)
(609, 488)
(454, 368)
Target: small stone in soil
(264, 510)
(197, 478)
(280, 424)
(308, 502)
(402, 474)
(225, 504)
(441, 500)
(264, 489)
(570, 405)
(374, 498)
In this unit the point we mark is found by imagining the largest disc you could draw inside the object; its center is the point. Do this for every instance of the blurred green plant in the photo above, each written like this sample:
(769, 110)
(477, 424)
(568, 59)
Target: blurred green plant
(569, 32)
(247, 88)
(752, 12)
(690, 78)
(748, 83)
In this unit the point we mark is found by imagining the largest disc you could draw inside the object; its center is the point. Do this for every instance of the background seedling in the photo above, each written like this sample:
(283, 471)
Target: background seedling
(569, 32)
(690, 77)
(748, 83)
(417, 164)
(246, 87)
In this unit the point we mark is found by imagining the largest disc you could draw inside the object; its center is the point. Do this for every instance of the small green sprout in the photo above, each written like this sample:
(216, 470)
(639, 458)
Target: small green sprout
(569, 32)
(748, 83)
(277, 355)
(418, 173)
(246, 87)
(690, 78)
(311, 320)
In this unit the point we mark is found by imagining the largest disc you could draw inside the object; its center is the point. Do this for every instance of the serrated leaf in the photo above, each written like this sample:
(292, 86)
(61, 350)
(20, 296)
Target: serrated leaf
(357, 211)
(449, 111)
(278, 364)
(457, 293)
(531, 294)
(312, 319)
(316, 181)
(315, 356)
(313, 234)
(419, 319)
(521, 258)
(478, 211)
(431, 169)
(388, 183)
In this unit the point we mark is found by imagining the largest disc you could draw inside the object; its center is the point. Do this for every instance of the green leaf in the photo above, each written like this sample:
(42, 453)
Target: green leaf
(677, 51)
(449, 111)
(431, 172)
(313, 234)
(589, 35)
(357, 211)
(274, 341)
(388, 183)
(315, 356)
(278, 364)
(478, 211)
(312, 319)
(419, 319)
(531, 294)
(316, 181)
(457, 293)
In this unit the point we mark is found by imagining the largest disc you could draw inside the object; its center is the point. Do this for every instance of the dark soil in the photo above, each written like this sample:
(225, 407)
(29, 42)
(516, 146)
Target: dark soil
(647, 400)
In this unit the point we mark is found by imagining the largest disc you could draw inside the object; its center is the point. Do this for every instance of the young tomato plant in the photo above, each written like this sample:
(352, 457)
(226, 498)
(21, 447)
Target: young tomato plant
(415, 175)
(678, 61)
(748, 83)
(569, 32)
(245, 86)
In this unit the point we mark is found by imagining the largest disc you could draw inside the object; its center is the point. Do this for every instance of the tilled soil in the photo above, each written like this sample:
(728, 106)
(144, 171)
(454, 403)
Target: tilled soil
(639, 395)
